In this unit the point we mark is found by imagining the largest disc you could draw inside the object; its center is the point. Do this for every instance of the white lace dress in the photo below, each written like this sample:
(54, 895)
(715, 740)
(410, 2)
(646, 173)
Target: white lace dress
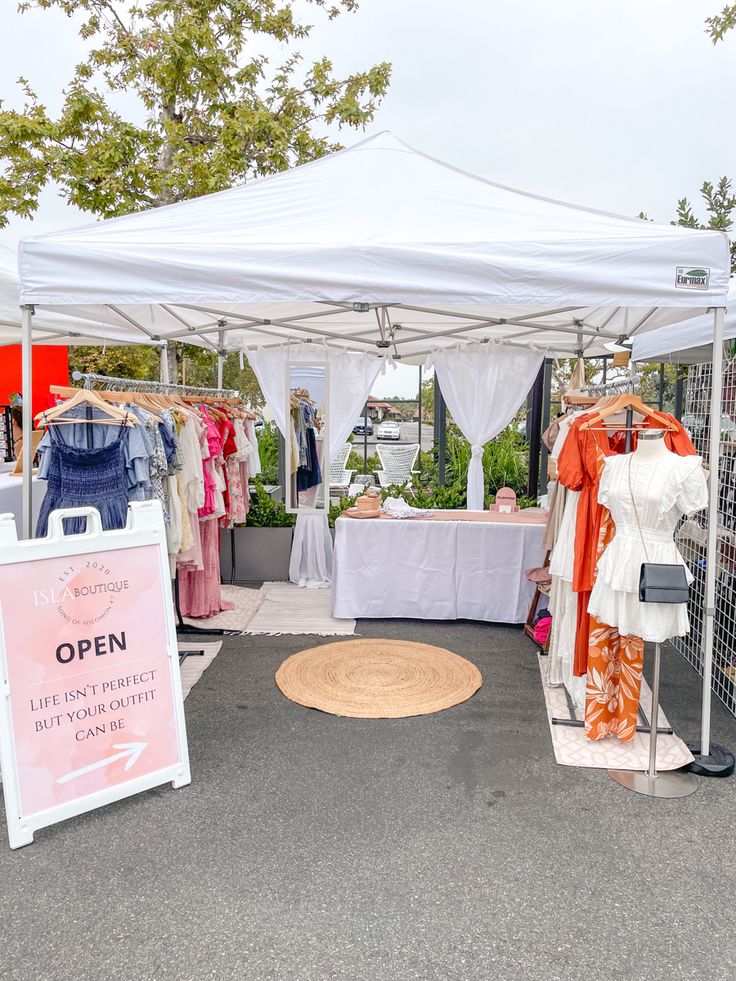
(664, 490)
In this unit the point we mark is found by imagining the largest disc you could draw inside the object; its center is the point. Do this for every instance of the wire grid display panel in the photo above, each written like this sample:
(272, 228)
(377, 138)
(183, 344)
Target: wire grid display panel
(692, 534)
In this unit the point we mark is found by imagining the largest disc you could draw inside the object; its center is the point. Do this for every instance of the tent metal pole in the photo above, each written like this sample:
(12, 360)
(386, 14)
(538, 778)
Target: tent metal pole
(440, 431)
(535, 431)
(660, 396)
(419, 408)
(282, 466)
(679, 393)
(546, 414)
(27, 312)
(163, 371)
(365, 439)
(711, 568)
(220, 357)
(257, 324)
(131, 321)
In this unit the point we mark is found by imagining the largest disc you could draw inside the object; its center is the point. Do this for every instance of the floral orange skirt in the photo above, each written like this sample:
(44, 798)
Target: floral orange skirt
(614, 672)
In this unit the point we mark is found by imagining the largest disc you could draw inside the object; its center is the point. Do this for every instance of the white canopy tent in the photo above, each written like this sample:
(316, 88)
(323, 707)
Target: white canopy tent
(690, 342)
(377, 243)
(378, 246)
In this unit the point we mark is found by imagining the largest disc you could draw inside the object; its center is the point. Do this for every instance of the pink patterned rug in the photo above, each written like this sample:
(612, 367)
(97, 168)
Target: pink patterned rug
(572, 747)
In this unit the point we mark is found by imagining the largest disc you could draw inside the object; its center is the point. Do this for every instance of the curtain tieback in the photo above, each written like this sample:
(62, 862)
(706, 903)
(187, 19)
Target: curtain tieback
(477, 449)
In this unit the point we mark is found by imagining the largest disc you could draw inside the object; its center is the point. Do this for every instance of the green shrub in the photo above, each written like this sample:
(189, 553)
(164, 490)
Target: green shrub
(504, 460)
(355, 461)
(451, 497)
(265, 512)
(268, 450)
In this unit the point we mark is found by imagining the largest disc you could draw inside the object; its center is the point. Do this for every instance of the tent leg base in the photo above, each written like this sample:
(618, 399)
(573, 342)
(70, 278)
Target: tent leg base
(718, 763)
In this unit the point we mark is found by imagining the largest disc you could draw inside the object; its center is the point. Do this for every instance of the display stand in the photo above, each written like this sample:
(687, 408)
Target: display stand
(573, 722)
(540, 590)
(186, 629)
(671, 783)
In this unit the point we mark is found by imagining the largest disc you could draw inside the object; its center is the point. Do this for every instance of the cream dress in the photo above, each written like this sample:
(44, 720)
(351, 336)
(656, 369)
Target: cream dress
(664, 489)
(563, 602)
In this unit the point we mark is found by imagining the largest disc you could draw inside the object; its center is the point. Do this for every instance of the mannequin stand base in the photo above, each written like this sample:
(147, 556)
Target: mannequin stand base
(719, 763)
(669, 783)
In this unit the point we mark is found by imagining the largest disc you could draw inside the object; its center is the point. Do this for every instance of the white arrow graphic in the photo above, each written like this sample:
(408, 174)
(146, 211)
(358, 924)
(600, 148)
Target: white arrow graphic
(130, 750)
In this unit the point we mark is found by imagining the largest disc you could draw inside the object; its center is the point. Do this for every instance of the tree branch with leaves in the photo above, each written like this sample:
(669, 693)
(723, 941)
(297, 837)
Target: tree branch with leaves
(211, 110)
(720, 24)
(720, 206)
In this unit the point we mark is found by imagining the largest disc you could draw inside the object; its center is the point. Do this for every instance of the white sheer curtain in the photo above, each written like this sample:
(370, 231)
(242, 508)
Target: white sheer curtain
(483, 386)
(351, 378)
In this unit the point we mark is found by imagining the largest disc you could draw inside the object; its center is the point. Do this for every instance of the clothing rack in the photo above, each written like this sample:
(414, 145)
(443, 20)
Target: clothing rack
(92, 380)
(97, 382)
(622, 387)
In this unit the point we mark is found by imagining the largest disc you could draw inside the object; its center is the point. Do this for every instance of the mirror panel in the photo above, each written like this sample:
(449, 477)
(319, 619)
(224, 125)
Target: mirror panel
(307, 442)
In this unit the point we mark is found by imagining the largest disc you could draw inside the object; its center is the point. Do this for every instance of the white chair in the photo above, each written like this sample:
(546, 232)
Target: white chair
(340, 478)
(398, 464)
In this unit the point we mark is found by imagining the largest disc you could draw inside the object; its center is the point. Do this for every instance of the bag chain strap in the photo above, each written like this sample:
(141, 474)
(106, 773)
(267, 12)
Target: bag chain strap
(636, 513)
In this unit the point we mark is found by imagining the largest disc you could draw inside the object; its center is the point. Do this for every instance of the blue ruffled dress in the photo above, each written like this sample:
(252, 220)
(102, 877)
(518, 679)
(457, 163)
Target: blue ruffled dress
(85, 478)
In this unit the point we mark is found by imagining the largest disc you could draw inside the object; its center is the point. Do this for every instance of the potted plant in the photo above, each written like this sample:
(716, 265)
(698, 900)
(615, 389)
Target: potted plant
(262, 545)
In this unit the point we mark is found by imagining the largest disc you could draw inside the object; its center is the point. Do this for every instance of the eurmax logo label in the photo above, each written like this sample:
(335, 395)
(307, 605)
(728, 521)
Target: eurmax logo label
(692, 279)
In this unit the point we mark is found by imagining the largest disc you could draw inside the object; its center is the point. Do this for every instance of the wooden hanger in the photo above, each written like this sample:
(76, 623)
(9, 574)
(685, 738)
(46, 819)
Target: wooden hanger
(86, 397)
(613, 405)
(156, 401)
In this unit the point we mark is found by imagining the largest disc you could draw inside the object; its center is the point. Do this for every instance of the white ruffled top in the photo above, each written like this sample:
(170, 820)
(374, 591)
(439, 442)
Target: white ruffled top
(664, 490)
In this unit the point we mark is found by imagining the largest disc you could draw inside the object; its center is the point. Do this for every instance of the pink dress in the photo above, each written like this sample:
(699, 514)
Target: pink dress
(199, 589)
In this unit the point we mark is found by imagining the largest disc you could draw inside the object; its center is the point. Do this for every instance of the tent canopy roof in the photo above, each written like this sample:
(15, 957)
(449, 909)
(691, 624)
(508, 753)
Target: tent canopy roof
(49, 326)
(690, 342)
(378, 235)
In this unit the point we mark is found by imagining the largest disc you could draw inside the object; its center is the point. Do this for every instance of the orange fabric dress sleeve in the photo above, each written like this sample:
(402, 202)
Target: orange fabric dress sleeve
(569, 462)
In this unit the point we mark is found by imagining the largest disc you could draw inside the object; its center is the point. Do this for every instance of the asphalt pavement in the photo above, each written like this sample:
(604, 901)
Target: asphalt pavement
(448, 847)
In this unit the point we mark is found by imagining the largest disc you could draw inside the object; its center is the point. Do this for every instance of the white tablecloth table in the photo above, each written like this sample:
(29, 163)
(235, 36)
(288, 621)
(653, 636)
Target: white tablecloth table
(11, 498)
(436, 569)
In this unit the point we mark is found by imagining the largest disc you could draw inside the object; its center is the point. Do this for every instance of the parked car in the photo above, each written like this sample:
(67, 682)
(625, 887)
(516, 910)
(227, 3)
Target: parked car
(389, 430)
(363, 425)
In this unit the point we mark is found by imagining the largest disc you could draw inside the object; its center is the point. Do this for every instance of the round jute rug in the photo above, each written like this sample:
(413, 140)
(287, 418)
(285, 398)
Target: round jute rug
(378, 679)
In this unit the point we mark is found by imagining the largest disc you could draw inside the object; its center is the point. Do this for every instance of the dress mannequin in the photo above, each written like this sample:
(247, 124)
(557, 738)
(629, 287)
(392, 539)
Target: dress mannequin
(647, 492)
(650, 445)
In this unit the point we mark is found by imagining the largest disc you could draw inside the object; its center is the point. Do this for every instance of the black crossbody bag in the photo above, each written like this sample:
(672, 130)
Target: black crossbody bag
(659, 582)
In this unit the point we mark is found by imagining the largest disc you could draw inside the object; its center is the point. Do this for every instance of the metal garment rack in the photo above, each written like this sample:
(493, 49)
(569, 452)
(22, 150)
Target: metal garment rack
(91, 380)
(620, 387)
(113, 384)
(650, 783)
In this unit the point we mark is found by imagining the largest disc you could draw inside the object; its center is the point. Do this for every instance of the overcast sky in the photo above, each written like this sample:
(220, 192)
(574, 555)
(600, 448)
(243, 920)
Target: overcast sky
(624, 106)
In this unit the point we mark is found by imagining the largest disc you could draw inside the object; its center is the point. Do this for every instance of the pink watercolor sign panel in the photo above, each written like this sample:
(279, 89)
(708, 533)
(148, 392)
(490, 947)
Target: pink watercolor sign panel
(88, 667)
